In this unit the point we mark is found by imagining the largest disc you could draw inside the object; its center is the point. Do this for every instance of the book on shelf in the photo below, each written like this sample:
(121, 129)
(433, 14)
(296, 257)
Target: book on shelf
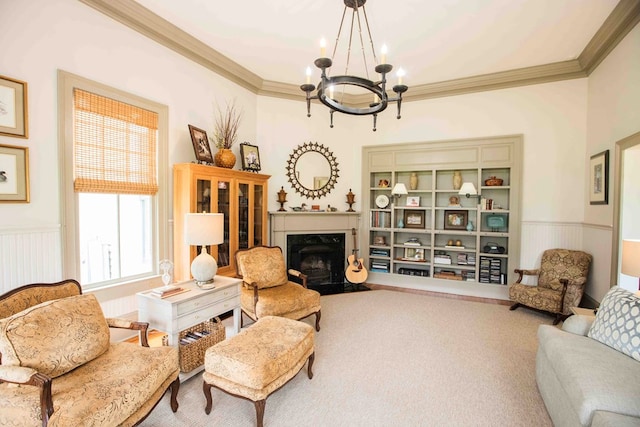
(442, 259)
(413, 242)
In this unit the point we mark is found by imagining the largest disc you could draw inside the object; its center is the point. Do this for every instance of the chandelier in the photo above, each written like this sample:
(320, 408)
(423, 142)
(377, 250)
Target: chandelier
(328, 84)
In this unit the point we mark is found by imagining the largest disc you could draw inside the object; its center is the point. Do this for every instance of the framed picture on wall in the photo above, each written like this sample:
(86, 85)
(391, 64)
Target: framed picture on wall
(599, 179)
(14, 174)
(13, 108)
(414, 219)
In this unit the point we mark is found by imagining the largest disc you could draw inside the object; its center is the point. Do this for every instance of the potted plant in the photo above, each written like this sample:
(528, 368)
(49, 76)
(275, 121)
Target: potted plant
(225, 134)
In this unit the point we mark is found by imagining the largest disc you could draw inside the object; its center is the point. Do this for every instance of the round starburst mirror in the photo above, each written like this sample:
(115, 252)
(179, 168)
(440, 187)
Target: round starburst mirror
(312, 170)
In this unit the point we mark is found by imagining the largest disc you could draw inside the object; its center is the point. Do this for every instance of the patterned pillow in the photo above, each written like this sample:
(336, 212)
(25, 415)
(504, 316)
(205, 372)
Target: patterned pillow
(56, 336)
(617, 323)
(263, 265)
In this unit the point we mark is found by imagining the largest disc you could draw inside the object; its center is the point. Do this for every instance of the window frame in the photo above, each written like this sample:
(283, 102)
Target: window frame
(69, 198)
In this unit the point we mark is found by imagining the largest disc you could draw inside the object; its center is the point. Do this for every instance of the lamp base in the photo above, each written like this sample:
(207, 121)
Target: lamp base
(207, 284)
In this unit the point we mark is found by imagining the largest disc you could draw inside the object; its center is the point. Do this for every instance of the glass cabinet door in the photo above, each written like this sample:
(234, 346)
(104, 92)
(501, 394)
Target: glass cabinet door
(224, 190)
(243, 215)
(258, 191)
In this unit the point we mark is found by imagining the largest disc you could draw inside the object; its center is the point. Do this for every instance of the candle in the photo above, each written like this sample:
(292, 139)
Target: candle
(383, 54)
(375, 98)
(331, 92)
(323, 48)
(308, 75)
(400, 74)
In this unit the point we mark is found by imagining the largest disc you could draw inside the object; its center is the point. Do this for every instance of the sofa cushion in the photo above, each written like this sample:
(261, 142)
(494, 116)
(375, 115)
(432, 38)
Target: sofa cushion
(593, 376)
(56, 336)
(263, 266)
(290, 300)
(105, 391)
(578, 324)
(617, 323)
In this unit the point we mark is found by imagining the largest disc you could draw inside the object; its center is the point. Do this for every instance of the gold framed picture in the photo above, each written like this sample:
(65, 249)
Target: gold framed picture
(14, 174)
(13, 108)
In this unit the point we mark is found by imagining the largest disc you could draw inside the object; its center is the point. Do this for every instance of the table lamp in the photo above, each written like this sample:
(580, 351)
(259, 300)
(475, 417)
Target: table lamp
(631, 258)
(203, 229)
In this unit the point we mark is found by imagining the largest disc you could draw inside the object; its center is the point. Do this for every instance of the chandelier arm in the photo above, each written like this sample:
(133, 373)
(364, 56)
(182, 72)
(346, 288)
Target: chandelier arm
(335, 46)
(364, 54)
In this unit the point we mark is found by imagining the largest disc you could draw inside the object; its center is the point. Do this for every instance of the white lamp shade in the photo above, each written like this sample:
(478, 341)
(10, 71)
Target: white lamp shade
(468, 188)
(631, 257)
(202, 229)
(399, 189)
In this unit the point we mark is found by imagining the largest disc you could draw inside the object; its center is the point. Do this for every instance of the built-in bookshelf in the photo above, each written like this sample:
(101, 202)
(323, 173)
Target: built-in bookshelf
(433, 238)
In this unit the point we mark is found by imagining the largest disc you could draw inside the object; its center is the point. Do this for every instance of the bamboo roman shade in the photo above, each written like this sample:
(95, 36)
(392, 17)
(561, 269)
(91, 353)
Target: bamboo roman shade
(114, 146)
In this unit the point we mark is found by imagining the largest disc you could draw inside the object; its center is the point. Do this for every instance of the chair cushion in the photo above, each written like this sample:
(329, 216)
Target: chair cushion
(262, 353)
(105, 391)
(290, 300)
(617, 323)
(56, 336)
(263, 266)
(535, 296)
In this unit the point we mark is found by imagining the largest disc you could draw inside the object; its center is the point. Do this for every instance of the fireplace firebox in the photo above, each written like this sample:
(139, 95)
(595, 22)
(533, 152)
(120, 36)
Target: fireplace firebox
(321, 257)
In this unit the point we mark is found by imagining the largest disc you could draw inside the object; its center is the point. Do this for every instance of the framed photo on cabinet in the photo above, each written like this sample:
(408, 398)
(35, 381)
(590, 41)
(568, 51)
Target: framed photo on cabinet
(201, 146)
(599, 179)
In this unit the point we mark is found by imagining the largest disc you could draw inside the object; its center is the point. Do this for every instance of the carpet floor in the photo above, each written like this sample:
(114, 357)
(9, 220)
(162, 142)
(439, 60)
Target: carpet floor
(386, 358)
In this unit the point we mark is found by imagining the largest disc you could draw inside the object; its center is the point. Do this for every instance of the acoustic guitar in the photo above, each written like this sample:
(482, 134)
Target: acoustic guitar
(356, 272)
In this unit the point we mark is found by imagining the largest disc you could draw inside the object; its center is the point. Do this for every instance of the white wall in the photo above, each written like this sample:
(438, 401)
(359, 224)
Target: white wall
(613, 113)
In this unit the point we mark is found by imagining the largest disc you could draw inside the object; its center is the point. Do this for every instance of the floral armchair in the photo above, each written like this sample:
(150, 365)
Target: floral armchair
(59, 368)
(266, 289)
(562, 277)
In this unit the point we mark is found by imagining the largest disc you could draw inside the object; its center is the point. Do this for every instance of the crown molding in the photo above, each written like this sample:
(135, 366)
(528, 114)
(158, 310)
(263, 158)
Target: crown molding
(622, 19)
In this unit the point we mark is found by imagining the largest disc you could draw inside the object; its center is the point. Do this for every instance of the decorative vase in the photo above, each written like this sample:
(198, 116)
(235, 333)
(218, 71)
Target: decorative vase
(400, 223)
(469, 226)
(457, 180)
(225, 158)
(413, 181)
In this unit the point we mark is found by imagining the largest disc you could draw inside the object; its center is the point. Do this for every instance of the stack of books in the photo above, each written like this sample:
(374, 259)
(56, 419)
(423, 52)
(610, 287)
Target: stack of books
(166, 291)
(379, 267)
(442, 259)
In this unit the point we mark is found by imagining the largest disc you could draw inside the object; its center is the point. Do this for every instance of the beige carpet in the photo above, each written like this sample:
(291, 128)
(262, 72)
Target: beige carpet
(387, 358)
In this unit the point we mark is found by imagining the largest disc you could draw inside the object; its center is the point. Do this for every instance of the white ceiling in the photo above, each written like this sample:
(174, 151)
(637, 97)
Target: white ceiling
(432, 40)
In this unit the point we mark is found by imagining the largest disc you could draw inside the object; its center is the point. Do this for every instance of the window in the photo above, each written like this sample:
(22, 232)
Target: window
(114, 185)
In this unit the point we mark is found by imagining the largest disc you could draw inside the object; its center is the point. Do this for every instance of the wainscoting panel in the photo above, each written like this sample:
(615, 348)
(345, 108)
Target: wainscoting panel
(538, 236)
(29, 256)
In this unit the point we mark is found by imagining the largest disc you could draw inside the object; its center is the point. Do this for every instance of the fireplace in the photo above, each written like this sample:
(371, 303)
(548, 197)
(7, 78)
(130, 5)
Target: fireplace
(321, 257)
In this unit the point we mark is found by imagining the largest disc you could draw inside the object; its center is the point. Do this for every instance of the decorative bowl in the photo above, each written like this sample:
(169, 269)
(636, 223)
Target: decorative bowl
(493, 181)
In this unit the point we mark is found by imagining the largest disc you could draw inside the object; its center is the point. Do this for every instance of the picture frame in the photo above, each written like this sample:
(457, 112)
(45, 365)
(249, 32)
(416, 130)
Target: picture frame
(413, 254)
(455, 219)
(201, 146)
(13, 105)
(599, 178)
(413, 219)
(250, 157)
(14, 174)
(413, 201)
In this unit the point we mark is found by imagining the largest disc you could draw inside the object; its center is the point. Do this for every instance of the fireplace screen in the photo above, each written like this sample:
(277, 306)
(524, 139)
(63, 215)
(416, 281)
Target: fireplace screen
(321, 257)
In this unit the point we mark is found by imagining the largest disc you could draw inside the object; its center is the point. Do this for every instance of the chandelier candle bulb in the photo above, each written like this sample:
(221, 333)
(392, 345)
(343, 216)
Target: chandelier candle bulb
(383, 54)
(400, 75)
(308, 73)
(323, 48)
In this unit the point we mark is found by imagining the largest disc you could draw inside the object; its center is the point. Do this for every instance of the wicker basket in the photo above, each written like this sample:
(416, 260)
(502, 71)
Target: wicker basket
(192, 354)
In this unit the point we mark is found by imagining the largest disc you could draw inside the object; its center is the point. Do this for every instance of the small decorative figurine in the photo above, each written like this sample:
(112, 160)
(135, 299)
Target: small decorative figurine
(351, 199)
(282, 199)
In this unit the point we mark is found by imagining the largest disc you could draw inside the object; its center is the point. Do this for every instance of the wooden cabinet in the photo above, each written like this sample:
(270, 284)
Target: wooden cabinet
(240, 196)
(433, 238)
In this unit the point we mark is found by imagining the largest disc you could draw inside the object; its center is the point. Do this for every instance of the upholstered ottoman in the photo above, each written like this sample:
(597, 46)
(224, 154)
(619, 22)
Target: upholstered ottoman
(259, 360)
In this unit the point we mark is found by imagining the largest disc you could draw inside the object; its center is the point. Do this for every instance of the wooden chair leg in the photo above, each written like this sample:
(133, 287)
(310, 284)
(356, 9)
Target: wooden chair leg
(175, 386)
(318, 321)
(206, 388)
(310, 364)
(514, 306)
(260, 404)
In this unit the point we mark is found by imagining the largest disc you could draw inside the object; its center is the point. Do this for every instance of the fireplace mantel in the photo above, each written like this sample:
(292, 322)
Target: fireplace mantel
(283, 223)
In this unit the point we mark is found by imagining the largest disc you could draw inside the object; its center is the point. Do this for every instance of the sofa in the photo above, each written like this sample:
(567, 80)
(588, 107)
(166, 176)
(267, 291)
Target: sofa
(588, 372)
(59, 368)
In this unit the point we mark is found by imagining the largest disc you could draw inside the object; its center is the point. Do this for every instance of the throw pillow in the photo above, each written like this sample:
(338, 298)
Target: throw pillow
(617, 323)
(56, 336)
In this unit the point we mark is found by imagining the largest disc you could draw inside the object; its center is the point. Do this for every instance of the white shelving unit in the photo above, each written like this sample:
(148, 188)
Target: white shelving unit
(446, 255)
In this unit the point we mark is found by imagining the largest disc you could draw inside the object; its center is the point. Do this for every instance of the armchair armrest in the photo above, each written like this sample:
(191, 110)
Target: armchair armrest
(142, 327)
(522, 272)
(303, 277)
(28, 376)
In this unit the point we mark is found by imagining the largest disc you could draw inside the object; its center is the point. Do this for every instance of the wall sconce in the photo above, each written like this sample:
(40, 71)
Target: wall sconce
(398, 190)
(631, 259)
(468, 190)
(202, 229)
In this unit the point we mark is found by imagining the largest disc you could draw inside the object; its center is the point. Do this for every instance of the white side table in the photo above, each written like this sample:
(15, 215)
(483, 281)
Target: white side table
(583, 311)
